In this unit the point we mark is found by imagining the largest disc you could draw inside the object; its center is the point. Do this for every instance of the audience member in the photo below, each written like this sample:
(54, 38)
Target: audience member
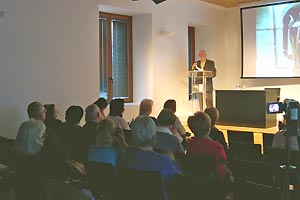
(167, 143)
(51, 121)
(102, 105)
(71, 132)
(201, 144)
(53, 150)
(180, 131)
(280, 138)
(36, 110)
(142, 156)
(90, 128)
(215, 134)
(104, 151)
(30, 169)
(146, 108)
(116, 109)
(31, 137)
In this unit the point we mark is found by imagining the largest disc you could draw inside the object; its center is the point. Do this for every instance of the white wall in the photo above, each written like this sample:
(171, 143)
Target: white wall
(48, 53)
(169, 63)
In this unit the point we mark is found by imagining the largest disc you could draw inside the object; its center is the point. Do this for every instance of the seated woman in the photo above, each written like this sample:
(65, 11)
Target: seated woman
(180, 131)
(102, 105)
(30, 170)
(116, 109)
(146, 109)
(110, 144)
(203, 145)
(142, 155)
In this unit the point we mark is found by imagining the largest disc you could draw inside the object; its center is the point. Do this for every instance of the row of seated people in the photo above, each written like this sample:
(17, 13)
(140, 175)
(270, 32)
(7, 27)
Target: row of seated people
(43, 152)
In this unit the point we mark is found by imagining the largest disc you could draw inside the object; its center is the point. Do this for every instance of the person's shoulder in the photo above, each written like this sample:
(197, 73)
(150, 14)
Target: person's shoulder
(217, 146)
(210, 61)
(215, 132)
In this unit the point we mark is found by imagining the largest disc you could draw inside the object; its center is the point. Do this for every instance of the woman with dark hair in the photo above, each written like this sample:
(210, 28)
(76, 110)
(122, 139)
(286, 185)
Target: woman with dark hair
(102, 104)
(179, 130)
(51, 121)
(116, 109)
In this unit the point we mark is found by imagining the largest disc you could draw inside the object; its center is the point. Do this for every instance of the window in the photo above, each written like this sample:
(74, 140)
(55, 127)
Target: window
(115, 36)
(191, 47)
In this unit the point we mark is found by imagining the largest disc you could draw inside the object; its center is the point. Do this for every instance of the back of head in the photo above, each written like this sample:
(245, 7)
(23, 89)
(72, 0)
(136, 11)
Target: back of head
(92, 113)
(170, 104)
(30, 138)
(199, 124)
(116, 107)
(213, 114)
(36, 111)
(144, 131)
(50, 114)
(146, 107)
(106, 129)
(74, 115)
(101, 103)
(166, 117)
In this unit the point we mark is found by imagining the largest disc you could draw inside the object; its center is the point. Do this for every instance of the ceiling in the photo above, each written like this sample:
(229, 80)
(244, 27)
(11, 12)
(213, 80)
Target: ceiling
(229, 3)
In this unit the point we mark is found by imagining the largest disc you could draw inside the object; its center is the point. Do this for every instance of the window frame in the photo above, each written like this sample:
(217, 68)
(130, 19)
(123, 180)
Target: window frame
(191, 54)
(110, 17)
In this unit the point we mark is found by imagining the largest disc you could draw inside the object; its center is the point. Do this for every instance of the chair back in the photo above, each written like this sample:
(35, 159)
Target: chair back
(138, 184)
(101, 178)
(253, 171)
(6, 153)
(248, 151)
(192, 187)
(240, 136)
(196, 165)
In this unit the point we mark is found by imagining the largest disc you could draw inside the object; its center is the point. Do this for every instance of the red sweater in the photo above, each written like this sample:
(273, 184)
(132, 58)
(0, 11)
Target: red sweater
(208, 147)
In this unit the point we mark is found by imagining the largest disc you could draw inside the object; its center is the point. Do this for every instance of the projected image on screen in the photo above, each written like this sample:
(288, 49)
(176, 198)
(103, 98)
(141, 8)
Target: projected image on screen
(271, 40)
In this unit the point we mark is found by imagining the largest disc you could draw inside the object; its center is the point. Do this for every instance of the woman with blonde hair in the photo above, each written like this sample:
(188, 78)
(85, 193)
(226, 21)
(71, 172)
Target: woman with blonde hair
(146, 108)
(110, 143)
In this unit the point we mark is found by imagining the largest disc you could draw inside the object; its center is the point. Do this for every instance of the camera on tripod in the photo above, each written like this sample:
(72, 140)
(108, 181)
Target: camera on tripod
(291, 110)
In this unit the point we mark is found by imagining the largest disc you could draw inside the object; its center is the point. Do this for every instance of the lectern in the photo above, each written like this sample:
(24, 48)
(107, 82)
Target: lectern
(198, 78)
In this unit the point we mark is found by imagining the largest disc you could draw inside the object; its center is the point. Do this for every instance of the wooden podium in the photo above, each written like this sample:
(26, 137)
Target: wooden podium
(198, 78)
(246, 107)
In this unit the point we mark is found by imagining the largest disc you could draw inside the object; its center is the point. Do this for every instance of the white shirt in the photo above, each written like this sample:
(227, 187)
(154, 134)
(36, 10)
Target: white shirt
(164, 130)
(120, 122)
(180, 130)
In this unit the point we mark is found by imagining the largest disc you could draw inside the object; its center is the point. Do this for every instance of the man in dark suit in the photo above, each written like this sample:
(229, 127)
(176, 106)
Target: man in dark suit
(206, 65)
